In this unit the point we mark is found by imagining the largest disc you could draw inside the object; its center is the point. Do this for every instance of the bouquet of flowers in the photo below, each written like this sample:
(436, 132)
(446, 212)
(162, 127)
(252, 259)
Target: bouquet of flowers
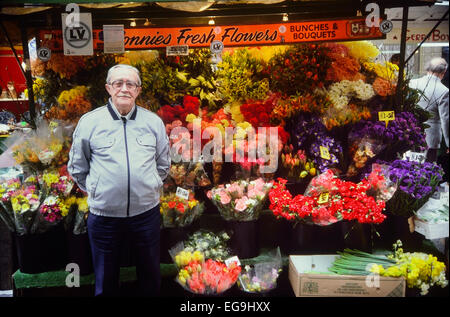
(416, 183)
(240, 200)
(208, 277)
(402, 134)
(327, 200)
(261, 277)
(80, 209)
(420, 270)
(20, 202)
(296, 166)
(211, 245)
(177, 211)
(47, 146)
(362, 152)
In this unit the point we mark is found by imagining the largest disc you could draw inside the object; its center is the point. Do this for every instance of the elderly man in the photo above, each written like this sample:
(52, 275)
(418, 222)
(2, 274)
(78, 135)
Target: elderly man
(120, 157)
(435, 100)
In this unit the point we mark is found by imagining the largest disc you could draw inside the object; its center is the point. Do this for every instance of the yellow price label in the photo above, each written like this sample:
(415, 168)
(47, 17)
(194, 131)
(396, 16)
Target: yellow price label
(323, 198)
(324, 153)
(386, 116)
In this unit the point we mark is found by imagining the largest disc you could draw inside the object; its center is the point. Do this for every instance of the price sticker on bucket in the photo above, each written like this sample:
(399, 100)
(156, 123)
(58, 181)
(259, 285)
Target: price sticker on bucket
(233, 259)
(386, 116)
(182, 193)
(323, 198)
(324, 153)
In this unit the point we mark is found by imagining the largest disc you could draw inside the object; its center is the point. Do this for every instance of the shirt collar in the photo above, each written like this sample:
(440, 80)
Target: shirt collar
(116, 115)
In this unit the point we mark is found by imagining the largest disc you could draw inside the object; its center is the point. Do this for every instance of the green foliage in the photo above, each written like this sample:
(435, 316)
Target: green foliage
(240, 77)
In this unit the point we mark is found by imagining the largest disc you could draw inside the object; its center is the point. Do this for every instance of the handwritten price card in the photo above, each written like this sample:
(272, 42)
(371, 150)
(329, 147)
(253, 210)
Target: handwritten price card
(386, 116)
(324, 153)
(182, 193)
(323, 198)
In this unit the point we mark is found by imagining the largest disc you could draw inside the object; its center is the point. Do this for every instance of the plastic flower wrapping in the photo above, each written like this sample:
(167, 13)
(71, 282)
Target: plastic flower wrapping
(329, 199)
(20, 202)
(47, 146)
(200, 264)
(178, 210)
(262, 276)
(240, 200)
(211, 245)
(416, 183)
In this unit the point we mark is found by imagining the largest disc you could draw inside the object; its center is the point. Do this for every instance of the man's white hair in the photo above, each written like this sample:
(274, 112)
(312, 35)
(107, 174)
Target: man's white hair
(124, 66)
(437, 65)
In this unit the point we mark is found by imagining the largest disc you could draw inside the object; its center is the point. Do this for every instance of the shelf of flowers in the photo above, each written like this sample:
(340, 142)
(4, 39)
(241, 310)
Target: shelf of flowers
(294, 129)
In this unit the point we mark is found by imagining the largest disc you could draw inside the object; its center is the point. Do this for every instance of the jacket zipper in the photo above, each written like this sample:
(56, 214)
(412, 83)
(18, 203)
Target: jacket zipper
(128, 164)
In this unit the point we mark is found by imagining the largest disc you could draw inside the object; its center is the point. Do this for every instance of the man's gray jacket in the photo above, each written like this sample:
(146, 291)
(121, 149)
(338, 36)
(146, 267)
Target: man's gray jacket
(120, 163)
(435, 100)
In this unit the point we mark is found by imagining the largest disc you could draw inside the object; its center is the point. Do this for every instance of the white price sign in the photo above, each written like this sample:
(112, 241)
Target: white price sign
(182, 193)
(231, 260)
(113, 39)
(414, 156)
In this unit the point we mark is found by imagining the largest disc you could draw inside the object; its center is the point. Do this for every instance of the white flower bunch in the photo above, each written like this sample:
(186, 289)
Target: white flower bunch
(341, 92)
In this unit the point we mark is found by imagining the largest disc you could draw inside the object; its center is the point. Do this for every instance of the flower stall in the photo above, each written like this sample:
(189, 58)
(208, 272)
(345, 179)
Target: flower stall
(305, 134)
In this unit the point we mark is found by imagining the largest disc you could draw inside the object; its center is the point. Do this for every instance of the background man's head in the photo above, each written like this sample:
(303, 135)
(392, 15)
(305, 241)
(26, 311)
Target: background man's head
(437, 66)
(123, 83)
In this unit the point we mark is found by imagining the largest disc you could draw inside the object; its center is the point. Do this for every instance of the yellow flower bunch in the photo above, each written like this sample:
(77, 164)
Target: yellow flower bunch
(67, 95)
(51, 178)
(82, 204)
(387, 71)
(362, 50)
(235, 109)
(420, 270)
(265, 53)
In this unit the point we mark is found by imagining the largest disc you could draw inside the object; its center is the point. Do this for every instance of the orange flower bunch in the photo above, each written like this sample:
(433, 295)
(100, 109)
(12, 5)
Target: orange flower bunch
(286, 108)
(72, 111)
(383, 87)
(351, 114)
(343, 68)
(65, 66)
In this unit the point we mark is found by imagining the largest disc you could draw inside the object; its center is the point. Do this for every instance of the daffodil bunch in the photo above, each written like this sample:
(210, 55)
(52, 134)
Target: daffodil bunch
(421, 270)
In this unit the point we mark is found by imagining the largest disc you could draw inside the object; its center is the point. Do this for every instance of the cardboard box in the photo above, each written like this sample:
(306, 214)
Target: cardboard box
(306, 284)
(431, 231)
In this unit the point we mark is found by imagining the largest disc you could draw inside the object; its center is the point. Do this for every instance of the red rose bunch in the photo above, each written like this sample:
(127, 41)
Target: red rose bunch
(170, 113)
(258, 112)
(328, 200)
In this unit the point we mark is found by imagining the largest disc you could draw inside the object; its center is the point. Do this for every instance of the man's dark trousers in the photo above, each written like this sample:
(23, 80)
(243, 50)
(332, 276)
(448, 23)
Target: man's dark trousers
(105, 236)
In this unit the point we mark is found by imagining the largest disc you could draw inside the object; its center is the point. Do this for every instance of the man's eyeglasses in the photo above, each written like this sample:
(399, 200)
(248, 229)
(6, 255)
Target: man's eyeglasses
(131, 85)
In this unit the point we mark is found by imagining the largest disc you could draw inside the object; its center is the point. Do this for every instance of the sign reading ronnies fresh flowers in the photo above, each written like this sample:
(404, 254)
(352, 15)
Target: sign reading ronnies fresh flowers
(235, 35)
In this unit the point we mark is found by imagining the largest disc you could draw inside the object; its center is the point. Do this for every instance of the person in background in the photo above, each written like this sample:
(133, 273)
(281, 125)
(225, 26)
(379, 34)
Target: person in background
(434, 99)
(120, 157)
(395, 59)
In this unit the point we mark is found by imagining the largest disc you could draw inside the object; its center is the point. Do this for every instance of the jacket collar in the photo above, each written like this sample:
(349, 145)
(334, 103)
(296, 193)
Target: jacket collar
(115, 116)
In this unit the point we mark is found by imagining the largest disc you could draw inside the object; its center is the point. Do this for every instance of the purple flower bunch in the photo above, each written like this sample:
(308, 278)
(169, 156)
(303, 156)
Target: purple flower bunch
(310, 134)
(416, 183)
(403, 133)
(307, 128)
(334, 148)
(416, 179)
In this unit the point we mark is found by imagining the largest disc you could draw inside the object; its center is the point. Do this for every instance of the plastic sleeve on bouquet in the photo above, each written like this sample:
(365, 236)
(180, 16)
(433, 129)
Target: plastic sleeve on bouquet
(179, 208)
(363, 151)
(240, 200)
(7, 215)
(262, 276)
